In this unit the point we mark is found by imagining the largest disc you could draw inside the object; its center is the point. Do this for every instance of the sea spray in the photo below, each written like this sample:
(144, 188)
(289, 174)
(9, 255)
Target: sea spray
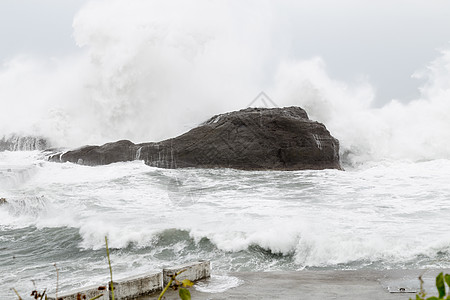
(413, 131)
(145, 64)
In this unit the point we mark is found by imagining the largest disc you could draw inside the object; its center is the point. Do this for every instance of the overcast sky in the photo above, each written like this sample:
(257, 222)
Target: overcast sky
(384, 41)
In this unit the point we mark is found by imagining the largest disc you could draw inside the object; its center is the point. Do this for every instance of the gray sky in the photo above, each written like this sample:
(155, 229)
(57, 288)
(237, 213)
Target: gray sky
(385, 41)
(37, 27)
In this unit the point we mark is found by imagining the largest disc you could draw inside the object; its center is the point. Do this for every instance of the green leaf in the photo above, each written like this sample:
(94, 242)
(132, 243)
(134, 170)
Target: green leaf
(187, 283)
(184, 294)
(432, 298)
(440, 285)
(447, 279)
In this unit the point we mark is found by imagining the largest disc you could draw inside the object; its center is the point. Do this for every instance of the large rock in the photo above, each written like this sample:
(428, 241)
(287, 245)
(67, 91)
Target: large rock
(250, 139)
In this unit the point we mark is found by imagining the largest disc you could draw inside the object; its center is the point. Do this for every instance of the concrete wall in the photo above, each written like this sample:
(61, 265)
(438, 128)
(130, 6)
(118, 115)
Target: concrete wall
(146, 284)
(86, 293)
(193, 271)
(132, 287)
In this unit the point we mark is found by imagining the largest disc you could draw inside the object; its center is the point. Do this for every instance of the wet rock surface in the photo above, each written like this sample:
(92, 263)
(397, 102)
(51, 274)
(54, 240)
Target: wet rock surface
(249, 139)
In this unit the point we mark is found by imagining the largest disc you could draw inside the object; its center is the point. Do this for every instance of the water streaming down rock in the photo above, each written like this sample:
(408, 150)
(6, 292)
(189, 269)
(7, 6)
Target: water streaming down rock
(249, 139)
(16, 142)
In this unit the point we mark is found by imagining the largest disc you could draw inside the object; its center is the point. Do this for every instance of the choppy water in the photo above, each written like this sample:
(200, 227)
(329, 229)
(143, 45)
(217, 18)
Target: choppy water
(376, 216)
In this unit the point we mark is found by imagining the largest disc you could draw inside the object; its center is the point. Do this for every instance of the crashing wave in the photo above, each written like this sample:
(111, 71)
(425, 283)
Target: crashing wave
(23, 143)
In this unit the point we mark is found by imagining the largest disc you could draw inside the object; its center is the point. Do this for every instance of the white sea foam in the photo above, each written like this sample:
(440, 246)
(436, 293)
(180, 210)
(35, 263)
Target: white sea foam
(218, 284)
(383, 215)
(322, 218)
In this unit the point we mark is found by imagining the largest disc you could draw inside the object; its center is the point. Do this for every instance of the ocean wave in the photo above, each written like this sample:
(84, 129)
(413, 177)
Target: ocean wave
(105, 94)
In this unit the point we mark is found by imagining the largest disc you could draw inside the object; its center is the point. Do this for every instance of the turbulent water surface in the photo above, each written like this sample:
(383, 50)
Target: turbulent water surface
(151, 70)
(376, 216)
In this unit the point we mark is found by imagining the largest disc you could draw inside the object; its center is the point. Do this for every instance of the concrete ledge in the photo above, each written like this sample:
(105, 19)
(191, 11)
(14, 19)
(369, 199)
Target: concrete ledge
(194, 271)
(86, 293)
(141, 285)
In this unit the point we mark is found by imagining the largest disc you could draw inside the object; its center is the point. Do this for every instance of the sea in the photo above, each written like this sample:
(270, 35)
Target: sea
(150, 70)
(389, 214)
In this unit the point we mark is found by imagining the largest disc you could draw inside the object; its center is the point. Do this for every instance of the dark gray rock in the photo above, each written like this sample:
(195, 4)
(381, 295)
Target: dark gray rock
(103, 155)
(249, 139)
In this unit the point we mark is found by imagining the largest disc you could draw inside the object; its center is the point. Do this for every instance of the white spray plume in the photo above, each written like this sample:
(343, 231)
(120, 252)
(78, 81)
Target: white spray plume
(149, 70)
(417, 130)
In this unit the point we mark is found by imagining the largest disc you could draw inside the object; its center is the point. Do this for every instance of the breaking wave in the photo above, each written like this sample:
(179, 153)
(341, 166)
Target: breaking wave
(245, 220)
(150, 70)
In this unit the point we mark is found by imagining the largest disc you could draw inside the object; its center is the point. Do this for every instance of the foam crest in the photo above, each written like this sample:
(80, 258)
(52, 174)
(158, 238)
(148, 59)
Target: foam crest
(240, 219)
(16, 168)
(22, 211)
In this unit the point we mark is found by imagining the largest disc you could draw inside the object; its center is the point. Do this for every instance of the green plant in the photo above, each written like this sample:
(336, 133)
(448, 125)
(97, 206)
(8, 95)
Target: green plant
(441, 279)
(41, 296)
(110, 269)
(175, 284)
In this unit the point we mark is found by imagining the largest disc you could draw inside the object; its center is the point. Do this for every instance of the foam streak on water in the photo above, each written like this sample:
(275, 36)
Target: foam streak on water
(386, 215)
